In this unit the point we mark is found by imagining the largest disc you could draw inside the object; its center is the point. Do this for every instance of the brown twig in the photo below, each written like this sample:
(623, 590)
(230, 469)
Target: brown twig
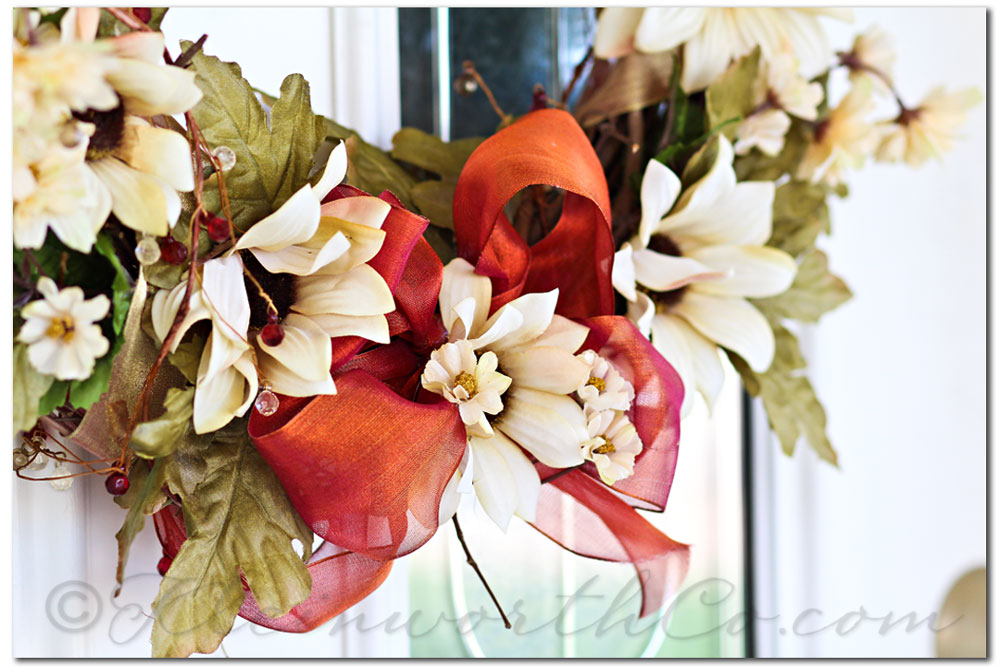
(475, 566)
(577, 73)
(469, 68)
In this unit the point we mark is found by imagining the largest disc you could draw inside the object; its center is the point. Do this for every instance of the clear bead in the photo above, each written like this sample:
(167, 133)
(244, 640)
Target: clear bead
(39, 462)
(225, 156)
(266, 403)
(147, 251)
(70, 135)
(62, 483)
(20, 459)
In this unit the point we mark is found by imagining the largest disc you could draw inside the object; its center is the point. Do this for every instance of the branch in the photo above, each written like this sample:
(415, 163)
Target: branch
(472, 561)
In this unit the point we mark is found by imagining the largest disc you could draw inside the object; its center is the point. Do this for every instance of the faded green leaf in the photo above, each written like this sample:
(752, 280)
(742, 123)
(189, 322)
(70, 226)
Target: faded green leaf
(29, 387)
(793, 410)
(814, 292)
(160, 437)
(121, 287)
(733, 94)
(187, 357)
(800, 214)
(147, 499)
(109, 26)
(271, 162)
(434, 198)
(636, 81)
(371, 169)
(238, 519)
(700, 163)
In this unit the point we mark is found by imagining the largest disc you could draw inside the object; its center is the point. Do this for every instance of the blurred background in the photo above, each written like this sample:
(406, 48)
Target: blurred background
(790, 557)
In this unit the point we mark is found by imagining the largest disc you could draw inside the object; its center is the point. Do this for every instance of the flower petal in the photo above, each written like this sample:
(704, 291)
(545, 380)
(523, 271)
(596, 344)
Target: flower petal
(334, 172)
(225, 395)
(493, 480)
(160, 152)
(371, 327)
(641, 312)
(563, 333)
(663, 28)
(365, 243)
(707, 53)
(138, 199)
(742, 216)
(545, 368)
(458, 282)
(616, 31)
(304, 260)
(150, 90)
(367, 211)
(166, 303)
(550, 427)
(225, 295)
(294, 222)
(669, 339)
(623, 272)
(360, 291)
(305, 349)
(663, 273)
(659, 191)
(537, 311)
(732, 323)
(756, 271)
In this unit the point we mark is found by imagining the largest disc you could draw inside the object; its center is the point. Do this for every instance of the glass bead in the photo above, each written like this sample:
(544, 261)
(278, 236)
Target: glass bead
(20, 459)
(70, 136)
(147, 251)
(466, 85)
(266, 403)
(62, 482)
(225, 156)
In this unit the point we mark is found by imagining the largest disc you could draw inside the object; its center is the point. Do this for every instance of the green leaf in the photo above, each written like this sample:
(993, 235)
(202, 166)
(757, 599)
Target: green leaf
(160, 437)
(271, 162)
(733, 94)
(112, 27)
(187, 357)
(146, 499)
(800, 213)
(121, 287)
(29, 387)
(238, 520)
(635, 82)
(434, 198)
(371, 169)
(793, 410)
(814, 292)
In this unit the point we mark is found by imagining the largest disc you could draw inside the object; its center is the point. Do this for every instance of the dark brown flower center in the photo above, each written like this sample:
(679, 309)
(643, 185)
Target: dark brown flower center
(109, 130)
(279, 287)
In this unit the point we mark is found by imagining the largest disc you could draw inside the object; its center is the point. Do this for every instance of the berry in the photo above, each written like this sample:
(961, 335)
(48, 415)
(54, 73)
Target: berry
(173, 252)
(116, 484)
(144, 14)
(164, 565)
(218, 229)
(272, 334)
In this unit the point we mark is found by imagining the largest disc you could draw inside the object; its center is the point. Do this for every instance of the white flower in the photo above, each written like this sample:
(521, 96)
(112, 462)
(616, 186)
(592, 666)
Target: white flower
(604, 388)
(60, 193)
(871, 57)
(613, 445)
(779, 93)
(712, 37)
(695, 267)
(475, 386)
(60, 332)
(843, 140)
(535, 349)
(301, 269)
(927, 131)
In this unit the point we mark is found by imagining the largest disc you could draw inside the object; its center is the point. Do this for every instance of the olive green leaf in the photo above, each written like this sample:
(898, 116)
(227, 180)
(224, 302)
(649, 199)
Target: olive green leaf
(371, 169)
(433, 198)
(814, 292)
(800, 213)
(121, 286)
(159, 437)
(187, 357)
(109, 26)
(636, 81)
(793, 410)
(144, 497)
(238, 521)
(272, 162)
(733, 94)
(700, 163)
(29, 387)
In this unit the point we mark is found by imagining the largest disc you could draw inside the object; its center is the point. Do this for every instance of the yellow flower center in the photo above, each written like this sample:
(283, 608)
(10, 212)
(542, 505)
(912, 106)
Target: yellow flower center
(61, 327)
(597, 382)
(466, 381)
(606, 448)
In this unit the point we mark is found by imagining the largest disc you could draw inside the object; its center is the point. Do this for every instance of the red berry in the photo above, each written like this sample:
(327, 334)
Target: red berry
(218, 229)
(164, 565)
(173, 252)
(142, 13)
(272, 334)
(116, 484)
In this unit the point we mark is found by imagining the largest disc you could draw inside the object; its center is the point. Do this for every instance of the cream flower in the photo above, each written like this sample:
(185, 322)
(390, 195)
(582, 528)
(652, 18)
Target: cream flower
(141, 166)
(779, 93)
(475, 386)
(535, 352)
(60, 193)
(871, 57)
(604, 388)
(613, 445)
(301, 270)
(60, 331)
(712, 37)
(927, 131)
(687, 274)
(843, 140)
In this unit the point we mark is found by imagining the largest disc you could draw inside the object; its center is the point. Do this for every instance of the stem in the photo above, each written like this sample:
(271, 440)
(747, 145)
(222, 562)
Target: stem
(472, 561)
(577, 72)
(128, 19)
(469, 68)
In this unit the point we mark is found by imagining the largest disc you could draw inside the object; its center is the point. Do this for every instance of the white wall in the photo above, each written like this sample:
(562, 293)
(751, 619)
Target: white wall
(902, 372)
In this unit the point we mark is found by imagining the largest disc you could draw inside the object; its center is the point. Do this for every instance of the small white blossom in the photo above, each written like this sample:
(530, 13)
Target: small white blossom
(604, 388)
(613, 445)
